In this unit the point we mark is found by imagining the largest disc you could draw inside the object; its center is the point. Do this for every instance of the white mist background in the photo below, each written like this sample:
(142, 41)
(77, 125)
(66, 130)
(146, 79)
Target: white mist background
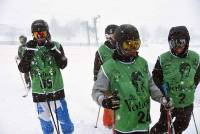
(148, 15)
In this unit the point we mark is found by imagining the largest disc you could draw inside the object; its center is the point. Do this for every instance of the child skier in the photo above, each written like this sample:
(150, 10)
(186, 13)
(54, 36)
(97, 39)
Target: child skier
(44, 59)
(21, 50)
(177, 72)
(104, 53)
(128, 80)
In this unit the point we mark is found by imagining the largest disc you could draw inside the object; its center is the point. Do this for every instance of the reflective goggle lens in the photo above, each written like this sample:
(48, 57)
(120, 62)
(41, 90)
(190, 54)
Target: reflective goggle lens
(177, 43)
(131, 44)
(40, 35)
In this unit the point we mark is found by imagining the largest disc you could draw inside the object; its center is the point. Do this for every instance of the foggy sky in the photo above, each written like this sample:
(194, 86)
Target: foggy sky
(21, 13)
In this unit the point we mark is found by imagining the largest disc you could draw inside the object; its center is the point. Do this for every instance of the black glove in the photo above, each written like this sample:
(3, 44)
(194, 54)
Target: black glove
(58, 54)
(111, 102)
(52, 48)
(24, 65)
(30, 45)
(49, 45)
(167, 103)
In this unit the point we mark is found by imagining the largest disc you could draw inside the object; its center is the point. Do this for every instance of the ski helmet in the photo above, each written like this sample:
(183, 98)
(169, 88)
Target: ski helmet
(39, 25)
(178, 37)
(22, 39)
(127, 37)
(110, 29)
(109, 33)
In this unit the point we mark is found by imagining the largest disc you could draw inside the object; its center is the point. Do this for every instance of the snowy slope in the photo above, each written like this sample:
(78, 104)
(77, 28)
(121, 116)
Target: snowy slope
(18, 115)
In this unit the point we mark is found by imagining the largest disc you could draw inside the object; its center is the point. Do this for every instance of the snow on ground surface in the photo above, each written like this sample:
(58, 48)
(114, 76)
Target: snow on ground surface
(18, 115)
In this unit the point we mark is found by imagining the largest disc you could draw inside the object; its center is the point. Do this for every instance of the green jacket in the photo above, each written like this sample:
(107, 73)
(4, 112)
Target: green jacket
(44, 67)
(131, 83)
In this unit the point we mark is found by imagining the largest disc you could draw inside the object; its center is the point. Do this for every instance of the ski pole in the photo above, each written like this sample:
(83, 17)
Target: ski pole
(114, 113)
(42, 84)
(56, 112)
(27, 90)
(195, 122)
(170, 126)
(168, 122)
(97, 117)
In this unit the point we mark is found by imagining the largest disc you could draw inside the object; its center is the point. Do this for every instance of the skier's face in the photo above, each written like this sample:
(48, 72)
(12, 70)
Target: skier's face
(179, 50)
(40, 36)
(178, 45)
(111, 38)
(22, 40)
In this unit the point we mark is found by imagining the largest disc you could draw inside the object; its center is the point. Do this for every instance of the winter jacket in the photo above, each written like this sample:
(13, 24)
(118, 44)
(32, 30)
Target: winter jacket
(104, 53)
(134, 84)
(182, 75)
(44, 66)
(21, 50)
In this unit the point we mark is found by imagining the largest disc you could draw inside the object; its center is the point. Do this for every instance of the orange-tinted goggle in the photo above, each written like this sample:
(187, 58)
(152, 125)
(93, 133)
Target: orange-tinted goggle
(131, 44)
(40, 35)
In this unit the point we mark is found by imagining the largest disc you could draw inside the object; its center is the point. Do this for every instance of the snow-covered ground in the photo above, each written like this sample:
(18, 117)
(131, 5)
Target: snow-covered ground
(18, 115)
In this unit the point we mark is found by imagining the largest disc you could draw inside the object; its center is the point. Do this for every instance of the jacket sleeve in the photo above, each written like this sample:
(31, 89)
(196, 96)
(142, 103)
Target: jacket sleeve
(154, 90)
(100, 87)
(60, 58)
(20, 52)
(197, 76)
(25, 63)
(157, 74)
(97, 64)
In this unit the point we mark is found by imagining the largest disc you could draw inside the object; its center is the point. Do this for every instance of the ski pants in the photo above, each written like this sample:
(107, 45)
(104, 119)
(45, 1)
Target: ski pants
(61, 114)
(182, 118)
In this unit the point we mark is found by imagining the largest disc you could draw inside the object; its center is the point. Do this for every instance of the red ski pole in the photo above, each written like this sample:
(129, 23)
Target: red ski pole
(168, 122)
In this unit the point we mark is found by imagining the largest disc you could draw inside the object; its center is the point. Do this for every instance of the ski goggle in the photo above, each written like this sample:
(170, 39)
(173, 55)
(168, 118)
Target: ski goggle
(40, 35)
(131, 44)
(174, 43)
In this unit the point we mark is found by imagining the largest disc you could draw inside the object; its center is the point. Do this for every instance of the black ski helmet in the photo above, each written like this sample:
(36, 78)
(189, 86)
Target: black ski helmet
(39, 25)
(179, 32)
(125, 32)
(110, 29)
(22, 39)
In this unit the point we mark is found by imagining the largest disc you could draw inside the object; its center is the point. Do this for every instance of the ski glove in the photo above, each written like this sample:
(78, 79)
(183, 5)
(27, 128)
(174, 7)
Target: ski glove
(167, 103)
(24, 65)
(49, 45)
(111, 102)
(57, 53)
(30, 46)
(53, 49)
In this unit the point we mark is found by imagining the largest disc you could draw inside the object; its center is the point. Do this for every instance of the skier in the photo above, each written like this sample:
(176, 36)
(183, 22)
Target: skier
(178, 72)
(104, 53)
(128, 80)
(44, 59)
(21, 50)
